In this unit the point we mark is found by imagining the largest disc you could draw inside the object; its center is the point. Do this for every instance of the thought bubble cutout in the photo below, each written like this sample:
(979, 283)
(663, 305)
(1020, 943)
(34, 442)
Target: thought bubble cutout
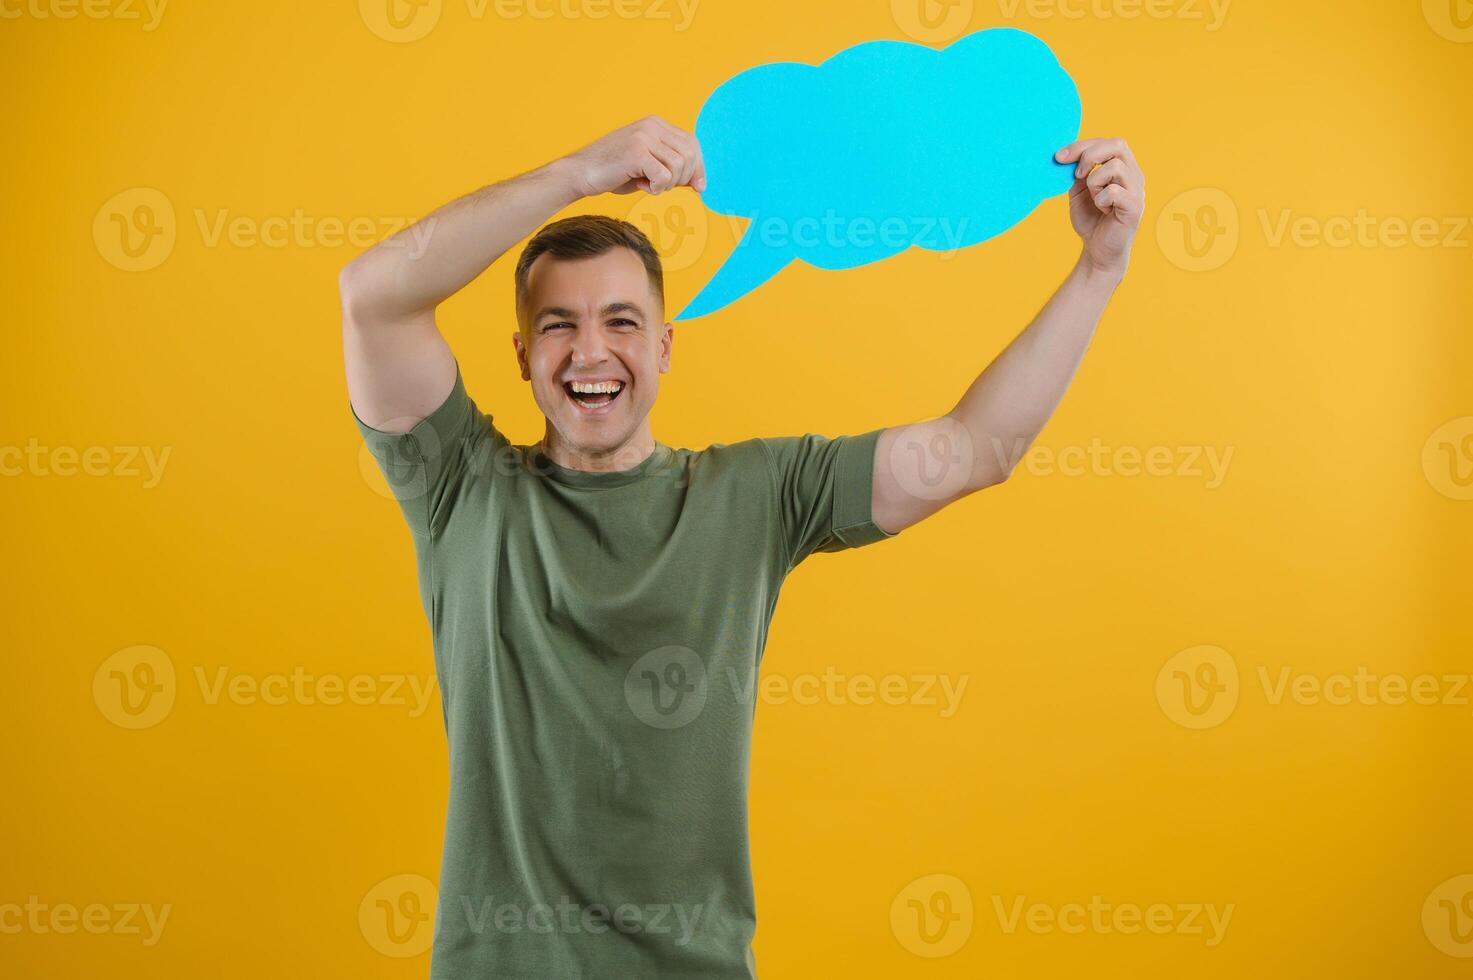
(885, 146)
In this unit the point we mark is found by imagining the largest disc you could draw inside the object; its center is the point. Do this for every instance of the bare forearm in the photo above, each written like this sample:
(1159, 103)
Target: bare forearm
(1010, 402)
(428, 262)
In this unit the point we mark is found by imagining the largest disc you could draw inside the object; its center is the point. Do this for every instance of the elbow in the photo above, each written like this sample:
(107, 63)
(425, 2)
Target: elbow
(357, 292)
(350, 279)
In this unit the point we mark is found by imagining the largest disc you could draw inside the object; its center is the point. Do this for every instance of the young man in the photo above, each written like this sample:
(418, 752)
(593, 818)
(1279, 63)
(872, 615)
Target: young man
(599, 601)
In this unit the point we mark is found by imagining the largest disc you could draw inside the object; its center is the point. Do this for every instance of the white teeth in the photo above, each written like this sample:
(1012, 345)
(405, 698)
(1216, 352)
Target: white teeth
(598, 388)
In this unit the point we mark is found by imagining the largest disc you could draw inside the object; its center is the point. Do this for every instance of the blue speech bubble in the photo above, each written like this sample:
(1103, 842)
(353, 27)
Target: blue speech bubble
(884, 146)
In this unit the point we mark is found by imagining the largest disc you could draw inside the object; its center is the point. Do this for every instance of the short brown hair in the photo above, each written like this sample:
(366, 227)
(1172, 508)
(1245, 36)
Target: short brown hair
(584, 236)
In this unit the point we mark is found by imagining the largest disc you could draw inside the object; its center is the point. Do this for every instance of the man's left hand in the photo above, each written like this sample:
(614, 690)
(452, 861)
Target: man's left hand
(1106, 201)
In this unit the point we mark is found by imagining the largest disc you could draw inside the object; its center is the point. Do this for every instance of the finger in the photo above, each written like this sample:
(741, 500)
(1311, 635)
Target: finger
(1116, 197)
(1086, 154)
(657, 175)
(690, 154)
(682, 147)
(676, 138)
(1099, 152)
(1070, 153)
(1109, 170)
(670, 158)
(698, 171)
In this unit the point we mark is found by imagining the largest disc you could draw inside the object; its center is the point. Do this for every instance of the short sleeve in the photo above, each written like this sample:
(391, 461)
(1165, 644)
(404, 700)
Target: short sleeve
(426, 466)
(824, 488)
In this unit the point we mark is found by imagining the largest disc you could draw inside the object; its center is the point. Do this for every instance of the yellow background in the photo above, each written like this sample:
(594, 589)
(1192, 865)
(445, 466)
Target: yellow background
(1336, 540)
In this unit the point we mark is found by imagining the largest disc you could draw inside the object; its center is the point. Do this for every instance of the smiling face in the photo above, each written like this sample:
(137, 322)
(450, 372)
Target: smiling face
(593, 344)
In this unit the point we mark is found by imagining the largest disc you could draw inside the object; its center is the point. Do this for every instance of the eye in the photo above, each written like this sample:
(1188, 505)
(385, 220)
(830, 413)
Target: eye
(554, 326)
(629, 322)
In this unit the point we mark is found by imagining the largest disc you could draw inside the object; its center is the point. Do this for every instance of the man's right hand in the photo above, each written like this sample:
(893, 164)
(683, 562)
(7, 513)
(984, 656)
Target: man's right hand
(648, 155)
(399, 367)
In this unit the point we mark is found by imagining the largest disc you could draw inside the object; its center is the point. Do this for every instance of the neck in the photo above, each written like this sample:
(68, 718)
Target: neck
(627, 455)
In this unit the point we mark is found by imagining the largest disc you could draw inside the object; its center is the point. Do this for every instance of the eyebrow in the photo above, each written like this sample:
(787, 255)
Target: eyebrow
(608, 310)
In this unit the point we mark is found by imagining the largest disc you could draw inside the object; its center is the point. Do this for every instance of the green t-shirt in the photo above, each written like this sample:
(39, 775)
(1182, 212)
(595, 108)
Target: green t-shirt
(596, 640)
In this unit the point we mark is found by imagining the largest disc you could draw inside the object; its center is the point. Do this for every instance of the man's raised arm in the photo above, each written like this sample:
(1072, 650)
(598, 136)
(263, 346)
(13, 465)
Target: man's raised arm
(923, 467)
(398, 365)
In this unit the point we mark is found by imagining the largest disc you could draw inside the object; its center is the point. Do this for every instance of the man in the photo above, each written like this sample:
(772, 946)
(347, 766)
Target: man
(599, 601)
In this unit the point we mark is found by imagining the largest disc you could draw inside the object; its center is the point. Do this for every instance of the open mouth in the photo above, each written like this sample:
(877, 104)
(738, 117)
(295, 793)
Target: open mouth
(593, 397)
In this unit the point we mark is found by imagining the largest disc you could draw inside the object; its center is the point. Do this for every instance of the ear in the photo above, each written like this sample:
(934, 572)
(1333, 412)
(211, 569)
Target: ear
(667, 340)
(521, 348)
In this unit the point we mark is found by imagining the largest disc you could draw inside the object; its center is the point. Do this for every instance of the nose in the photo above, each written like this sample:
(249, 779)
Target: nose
(589, 346)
